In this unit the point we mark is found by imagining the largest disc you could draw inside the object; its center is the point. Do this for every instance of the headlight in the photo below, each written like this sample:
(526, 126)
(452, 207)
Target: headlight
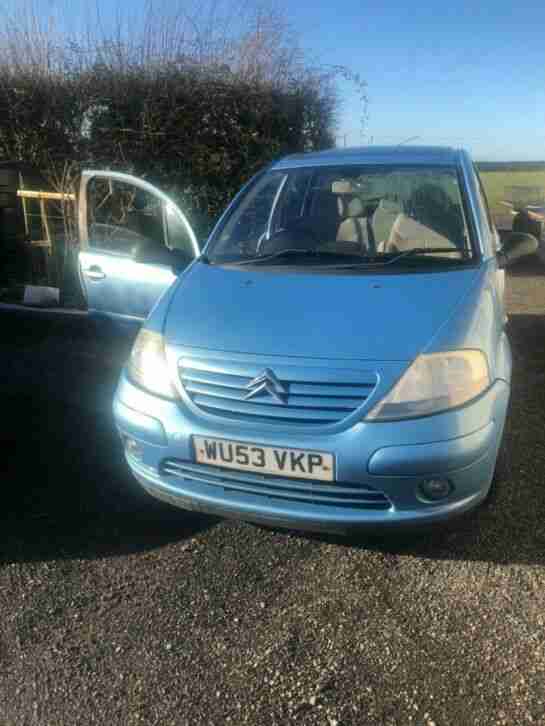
(433, 383)
(147, 366)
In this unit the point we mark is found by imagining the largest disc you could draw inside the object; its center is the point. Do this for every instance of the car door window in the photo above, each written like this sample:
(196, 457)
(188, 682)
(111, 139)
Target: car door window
(177, 231)
(126, 227)
(121, 216)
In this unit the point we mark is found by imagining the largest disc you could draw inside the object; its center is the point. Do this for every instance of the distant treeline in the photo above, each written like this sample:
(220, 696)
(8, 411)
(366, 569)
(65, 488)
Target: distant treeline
(506, 166)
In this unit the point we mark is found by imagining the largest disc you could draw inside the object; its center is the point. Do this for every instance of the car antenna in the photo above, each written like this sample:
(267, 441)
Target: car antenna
(406, 141)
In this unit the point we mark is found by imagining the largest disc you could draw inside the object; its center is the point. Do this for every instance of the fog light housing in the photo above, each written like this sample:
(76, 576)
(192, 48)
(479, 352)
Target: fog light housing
(133, 449)
(434, 490)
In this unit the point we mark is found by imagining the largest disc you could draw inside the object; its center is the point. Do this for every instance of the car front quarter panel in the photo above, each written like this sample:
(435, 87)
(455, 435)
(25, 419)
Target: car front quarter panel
(158, 314)
(478, 324)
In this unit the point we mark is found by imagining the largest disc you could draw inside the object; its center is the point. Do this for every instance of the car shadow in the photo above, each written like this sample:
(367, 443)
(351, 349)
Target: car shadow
(68, 493)
(510, 526)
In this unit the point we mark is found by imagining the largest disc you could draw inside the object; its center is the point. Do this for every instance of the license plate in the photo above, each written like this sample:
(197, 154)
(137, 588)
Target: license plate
(295, 463)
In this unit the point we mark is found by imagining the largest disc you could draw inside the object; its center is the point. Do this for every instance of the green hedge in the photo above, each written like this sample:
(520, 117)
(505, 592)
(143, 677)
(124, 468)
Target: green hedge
(197, 133)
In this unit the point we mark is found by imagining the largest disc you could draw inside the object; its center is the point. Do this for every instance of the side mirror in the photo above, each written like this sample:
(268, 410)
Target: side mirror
(515, 246)
(149, 252)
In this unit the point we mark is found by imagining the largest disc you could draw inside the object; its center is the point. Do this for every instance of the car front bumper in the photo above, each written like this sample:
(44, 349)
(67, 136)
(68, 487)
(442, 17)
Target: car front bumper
(392, 458)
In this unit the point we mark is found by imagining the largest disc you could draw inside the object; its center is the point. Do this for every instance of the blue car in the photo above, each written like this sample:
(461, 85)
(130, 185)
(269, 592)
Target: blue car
(336, 357)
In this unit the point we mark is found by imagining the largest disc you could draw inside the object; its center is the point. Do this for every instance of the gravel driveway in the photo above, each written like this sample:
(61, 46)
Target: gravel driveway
(118, 610)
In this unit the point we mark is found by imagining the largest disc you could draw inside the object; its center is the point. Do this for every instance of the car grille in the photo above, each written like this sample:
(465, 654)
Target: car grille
(314, 395)
(309, 492)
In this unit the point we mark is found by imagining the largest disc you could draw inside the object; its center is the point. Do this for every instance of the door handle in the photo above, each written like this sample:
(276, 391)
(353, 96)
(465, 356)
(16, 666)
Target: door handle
(95, 272)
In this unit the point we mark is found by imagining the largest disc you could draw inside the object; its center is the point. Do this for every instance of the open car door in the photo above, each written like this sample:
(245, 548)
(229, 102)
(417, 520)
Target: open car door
(131, 235)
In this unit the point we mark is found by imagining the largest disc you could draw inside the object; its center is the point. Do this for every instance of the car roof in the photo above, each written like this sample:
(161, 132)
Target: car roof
(374, 155)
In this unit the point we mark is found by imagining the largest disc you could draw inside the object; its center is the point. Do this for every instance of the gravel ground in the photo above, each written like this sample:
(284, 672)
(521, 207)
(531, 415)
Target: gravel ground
(118, 610)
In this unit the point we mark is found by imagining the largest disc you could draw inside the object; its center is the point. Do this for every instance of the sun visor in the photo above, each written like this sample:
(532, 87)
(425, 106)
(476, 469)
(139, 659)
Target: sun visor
(342, 187)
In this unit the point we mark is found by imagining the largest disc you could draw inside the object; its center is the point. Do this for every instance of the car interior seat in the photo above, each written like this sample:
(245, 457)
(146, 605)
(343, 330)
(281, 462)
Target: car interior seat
(429, 220)
(383, 220)
(355, 227)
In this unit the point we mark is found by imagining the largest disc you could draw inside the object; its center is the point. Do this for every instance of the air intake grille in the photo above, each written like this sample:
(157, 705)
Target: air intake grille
(308, 396)
(333, 495)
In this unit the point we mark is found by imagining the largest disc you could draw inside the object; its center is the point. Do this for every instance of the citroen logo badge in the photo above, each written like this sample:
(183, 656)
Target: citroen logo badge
(267, 382)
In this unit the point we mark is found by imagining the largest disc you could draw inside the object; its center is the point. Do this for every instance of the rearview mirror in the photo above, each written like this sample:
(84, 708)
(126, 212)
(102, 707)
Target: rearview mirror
(517, 245)
(342, 187)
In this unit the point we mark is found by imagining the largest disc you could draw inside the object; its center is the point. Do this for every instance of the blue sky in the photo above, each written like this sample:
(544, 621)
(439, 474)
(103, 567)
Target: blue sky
(469, 73)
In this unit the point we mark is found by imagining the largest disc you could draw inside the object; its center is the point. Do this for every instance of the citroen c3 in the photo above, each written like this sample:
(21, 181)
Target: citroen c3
(336, 357)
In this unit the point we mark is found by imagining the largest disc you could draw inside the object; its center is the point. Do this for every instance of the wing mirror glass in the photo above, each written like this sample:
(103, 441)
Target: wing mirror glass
(517, 245)
(149, 252)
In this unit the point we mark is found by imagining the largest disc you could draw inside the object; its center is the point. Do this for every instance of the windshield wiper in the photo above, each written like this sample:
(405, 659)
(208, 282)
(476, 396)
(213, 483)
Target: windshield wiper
(363, 262)
(289, 252)
(379, 261)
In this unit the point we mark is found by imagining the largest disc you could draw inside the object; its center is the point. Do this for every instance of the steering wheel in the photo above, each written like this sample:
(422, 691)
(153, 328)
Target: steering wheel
(297, 236)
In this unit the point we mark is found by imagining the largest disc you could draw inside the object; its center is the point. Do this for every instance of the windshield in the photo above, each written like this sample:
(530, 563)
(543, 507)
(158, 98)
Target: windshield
(347, 215)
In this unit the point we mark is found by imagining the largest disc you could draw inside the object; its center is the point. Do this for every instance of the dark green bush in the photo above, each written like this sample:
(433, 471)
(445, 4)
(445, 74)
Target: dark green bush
(197, 133)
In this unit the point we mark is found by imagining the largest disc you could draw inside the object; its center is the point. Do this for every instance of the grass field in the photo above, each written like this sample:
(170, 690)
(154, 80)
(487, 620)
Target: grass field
(497, 183)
